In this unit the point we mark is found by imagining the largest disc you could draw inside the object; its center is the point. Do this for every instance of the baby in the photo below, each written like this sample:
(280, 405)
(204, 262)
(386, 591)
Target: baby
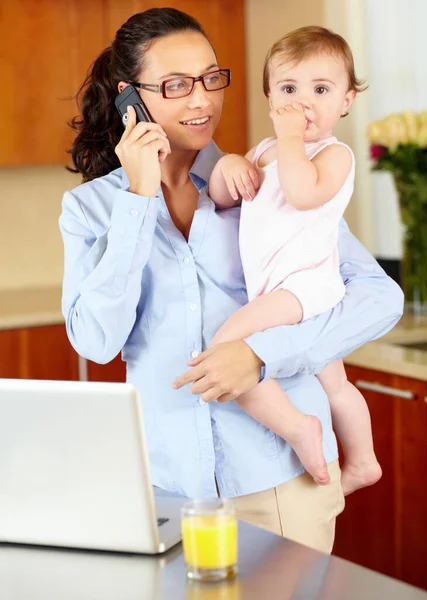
(295, 188)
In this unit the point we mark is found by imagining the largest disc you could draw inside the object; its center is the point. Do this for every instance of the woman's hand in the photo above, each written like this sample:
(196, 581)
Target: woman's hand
(143, 146)
(222, 372)
(289, 120)
(240, 176)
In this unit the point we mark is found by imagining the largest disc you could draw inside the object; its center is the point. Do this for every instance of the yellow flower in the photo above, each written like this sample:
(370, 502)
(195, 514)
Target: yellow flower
(395, 131)
(375, 133)
(407, 127)
(422, 136)
(411, 122)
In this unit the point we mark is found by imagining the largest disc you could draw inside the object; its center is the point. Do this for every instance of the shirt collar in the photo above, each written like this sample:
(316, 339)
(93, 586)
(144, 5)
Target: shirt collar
(200, 170)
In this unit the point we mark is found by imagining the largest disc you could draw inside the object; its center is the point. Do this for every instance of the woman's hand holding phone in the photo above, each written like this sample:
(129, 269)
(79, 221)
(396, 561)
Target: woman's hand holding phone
(142, 147)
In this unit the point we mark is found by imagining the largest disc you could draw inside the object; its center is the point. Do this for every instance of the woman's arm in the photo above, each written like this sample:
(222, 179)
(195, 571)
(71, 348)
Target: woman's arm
(372, 305)
(102, 275)
(103, 262)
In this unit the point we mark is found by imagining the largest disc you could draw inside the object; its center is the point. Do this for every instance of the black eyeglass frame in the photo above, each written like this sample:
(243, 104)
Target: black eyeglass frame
(161, 89)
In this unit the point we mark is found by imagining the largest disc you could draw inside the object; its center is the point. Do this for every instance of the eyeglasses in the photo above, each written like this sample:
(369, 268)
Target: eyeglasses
(179, 87)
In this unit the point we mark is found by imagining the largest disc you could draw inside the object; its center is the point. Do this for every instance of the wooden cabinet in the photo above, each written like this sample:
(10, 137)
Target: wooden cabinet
(46, 353)
(384, 527)
(112, 371)
(35, 60)
(47, 46)
(37, 353)
(411, 480)
(10, 354)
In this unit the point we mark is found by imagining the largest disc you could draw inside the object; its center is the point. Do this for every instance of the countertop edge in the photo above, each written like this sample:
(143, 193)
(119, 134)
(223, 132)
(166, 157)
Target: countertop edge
(36, 320)
(387, 358)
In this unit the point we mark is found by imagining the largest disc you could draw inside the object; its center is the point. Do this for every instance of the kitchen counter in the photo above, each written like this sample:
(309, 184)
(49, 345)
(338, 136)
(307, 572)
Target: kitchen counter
(30, 307)
(270, 568)
(392, 354)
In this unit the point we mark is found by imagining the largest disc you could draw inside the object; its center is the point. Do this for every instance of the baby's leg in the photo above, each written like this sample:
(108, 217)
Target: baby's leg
(271, 406)
(269, 310)
(267, 402)
(352, 422)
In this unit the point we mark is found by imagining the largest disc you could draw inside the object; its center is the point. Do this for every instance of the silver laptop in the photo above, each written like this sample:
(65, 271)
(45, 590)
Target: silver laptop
(74, 469)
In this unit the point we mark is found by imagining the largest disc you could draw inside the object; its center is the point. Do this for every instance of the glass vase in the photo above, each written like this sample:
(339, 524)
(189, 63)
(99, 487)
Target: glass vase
(412, 193)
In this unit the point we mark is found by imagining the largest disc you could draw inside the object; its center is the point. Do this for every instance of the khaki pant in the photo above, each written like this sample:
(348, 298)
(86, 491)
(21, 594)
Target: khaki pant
(298, 509)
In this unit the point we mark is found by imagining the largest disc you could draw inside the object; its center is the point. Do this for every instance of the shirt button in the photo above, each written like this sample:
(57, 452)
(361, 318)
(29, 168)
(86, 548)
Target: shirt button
(186, 260)
(201, 402)
(194, 354)
(217, 448)
(134, 212)
(193, 307)
(150, 214)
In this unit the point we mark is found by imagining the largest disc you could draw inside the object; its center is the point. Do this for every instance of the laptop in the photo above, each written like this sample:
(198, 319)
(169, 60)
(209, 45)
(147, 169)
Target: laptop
(74, 469)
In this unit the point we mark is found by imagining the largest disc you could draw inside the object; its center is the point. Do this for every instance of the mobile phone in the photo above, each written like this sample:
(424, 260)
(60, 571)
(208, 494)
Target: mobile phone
(130, 97)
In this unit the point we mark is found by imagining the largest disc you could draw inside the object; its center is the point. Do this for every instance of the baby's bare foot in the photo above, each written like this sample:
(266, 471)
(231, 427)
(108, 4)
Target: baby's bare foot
(355, 477)
(307, 443)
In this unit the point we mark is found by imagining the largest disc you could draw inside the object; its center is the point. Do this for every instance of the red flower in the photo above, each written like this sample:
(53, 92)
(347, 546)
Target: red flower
(377, 151)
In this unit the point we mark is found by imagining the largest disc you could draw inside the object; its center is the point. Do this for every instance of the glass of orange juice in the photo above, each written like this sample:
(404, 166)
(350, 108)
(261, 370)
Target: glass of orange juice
(209, 538)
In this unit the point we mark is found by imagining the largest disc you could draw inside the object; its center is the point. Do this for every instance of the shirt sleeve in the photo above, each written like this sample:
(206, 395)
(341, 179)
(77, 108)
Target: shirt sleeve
(372, 305)
(102, 273)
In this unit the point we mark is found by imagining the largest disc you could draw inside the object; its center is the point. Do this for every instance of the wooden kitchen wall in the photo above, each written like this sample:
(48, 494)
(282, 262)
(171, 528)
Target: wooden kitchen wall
(46, 47)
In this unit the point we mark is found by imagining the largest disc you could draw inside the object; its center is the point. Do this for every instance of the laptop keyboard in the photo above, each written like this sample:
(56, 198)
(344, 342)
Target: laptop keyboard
(161, 521)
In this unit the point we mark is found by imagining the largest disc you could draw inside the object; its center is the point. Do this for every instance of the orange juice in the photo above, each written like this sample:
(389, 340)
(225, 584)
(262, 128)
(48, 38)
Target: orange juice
(210, 541)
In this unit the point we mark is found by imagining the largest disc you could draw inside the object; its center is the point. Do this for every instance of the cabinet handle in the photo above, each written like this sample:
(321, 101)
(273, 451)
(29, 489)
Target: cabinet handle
(383, 389)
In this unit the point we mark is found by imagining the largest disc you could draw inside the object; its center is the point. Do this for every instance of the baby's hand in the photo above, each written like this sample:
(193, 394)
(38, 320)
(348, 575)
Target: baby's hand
(289, 120)
(240, 176)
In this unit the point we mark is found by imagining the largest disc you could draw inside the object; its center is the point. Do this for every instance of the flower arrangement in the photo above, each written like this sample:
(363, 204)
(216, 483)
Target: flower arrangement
(398, 143)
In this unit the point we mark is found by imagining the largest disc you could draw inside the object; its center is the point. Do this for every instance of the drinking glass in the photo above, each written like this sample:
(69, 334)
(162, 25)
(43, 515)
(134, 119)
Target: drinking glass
(209, 537)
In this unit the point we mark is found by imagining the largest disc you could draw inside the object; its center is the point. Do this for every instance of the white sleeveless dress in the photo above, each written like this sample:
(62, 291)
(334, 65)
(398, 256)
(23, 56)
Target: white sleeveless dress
(285, 248)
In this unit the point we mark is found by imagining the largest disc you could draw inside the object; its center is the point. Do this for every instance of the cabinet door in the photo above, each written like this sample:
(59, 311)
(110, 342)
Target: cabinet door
(10, 354)
(411, 516)
(35, 63)
(46, 353)
(46, 48)
(112, 371)
(366, 531)
(37, 353)
(384, 527)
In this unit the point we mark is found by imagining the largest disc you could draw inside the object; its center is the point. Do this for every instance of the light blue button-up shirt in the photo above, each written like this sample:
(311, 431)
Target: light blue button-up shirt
(132, 283)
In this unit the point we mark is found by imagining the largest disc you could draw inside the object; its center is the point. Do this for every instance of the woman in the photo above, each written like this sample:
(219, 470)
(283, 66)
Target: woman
(152, 269)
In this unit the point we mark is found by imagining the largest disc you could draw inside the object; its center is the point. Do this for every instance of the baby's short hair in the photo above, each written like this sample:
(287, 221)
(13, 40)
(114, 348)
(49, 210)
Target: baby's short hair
(306, 42)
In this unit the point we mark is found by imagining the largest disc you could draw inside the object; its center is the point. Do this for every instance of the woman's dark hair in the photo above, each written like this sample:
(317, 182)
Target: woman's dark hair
(99, 128)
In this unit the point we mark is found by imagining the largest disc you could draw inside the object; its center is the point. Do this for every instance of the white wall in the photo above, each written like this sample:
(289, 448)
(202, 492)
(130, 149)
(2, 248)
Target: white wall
(348, 18)
(397, 57)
